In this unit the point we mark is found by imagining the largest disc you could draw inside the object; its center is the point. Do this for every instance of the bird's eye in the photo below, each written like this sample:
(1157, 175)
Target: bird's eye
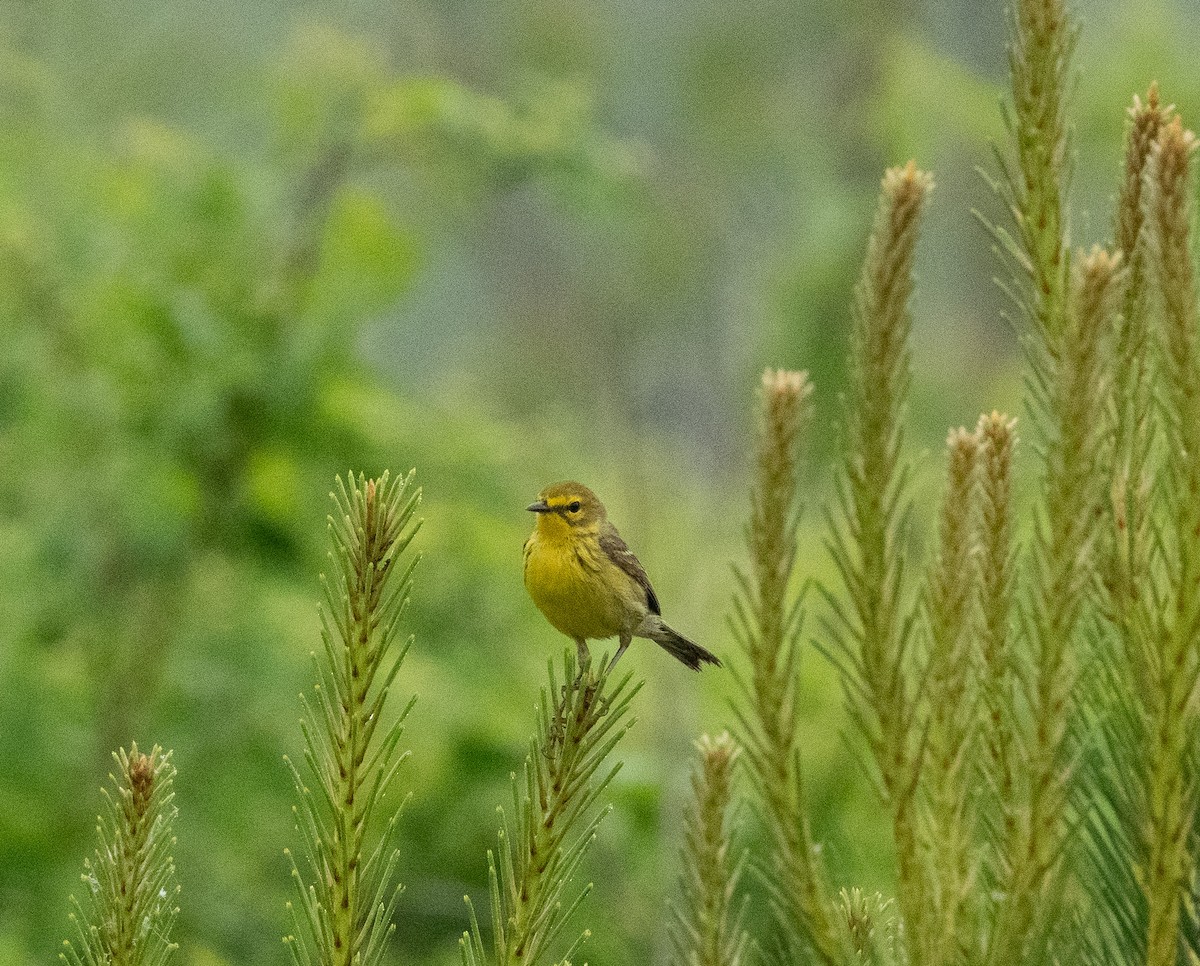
(574, 507)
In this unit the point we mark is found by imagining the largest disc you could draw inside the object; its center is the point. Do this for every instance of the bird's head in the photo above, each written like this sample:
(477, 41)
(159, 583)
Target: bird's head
(568, 504)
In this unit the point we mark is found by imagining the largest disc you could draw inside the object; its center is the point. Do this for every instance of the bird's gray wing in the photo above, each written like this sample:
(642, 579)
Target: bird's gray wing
(620, 554)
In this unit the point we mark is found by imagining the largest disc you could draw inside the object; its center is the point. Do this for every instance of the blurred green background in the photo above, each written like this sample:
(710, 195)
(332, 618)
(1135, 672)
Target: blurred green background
(246, 246)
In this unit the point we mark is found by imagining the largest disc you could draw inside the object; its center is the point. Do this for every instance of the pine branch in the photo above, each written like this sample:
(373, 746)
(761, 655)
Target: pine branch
(1070, 312)
(554, 819)
(873, 636)
(948, 797)
(126, 916)
(1041, 45)
(768, 622)
(347, 890)
(1112, 931)
(706, 927)
(997, 439)
(1174, 661)
(1062, 570)
(870, 922)
(1190, 925)
(1115, 770)
(1128, 560)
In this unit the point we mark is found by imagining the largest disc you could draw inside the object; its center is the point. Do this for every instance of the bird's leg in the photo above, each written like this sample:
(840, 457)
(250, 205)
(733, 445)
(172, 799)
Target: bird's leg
(625, 639)
(585, 660)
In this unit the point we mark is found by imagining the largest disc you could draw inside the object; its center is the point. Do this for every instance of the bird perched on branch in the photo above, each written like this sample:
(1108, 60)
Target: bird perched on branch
(589, 584)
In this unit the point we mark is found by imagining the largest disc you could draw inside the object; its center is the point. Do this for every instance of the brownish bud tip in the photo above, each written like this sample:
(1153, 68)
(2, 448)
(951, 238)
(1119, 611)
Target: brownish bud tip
(996, 427)
(786, 385)
(960, 439)
(1098, 268)
(907, 185)
(963, 447)
(997, 434)
(1145, 122)
(720, 751)
(1095, 287)
(141, 780)
(1175, 146)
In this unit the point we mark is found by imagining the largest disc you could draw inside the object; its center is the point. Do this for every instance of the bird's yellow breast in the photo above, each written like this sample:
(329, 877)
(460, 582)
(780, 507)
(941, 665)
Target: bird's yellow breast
(580, 590)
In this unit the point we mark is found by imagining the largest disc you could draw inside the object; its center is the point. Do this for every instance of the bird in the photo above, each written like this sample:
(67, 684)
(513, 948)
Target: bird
(587, 582)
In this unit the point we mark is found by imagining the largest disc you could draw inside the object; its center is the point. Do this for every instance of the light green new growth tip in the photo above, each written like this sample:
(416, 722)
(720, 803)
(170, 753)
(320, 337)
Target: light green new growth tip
(127, 912)
(871, 630)
(1132, 415)
(994, 643)
(947, 788)
(346, 886)
(1173, 662)
(707, 923)
(1070, 308)
(768, 624)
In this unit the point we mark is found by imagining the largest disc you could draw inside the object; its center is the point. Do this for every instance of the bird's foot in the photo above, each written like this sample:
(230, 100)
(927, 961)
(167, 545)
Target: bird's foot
(585, 664)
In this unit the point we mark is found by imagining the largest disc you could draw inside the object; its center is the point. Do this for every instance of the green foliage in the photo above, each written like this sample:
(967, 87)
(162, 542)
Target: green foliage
(996, 875)
(187, 316)
(1035, 179)
(948, 800)
(347, 889)
(127, 913)
(218, 290)
(707, 923)
(768, 623)
(872, 926)
(872, 628)
(1069, 314)
(554, 818)
(997, 665)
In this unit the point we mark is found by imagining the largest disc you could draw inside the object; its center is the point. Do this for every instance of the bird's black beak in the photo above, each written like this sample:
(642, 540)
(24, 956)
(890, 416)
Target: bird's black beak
(539, 507)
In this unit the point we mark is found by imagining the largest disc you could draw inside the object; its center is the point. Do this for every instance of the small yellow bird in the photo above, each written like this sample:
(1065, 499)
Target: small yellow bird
(588, 583)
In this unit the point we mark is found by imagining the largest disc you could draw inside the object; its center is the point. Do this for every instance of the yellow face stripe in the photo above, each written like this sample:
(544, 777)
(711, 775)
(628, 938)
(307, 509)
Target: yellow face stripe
(561, 502)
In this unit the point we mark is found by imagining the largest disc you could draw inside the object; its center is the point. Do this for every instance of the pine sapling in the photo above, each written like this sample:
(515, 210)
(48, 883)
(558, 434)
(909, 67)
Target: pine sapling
(995, 660)
(768, 622)
(346, 888)
(554, 819)
(947, 791)
(1174, 661)
(871, 632)
(127, 913)
(706, 926)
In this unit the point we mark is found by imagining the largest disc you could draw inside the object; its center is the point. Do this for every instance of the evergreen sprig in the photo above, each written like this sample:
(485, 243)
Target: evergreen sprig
(554, 819)
(126, 915)
(1070, 313)
(768, 622)
(1062, 569)
(874, 931)
(948, 795)
(346, 888)
(1173, 663)
(871, 632)
(1128, 573)
(1035, 180)
(996, 661)
(1140, 831)
(707, 923)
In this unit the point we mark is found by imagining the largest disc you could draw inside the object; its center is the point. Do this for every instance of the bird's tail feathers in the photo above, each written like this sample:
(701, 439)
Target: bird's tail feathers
(678, 646)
